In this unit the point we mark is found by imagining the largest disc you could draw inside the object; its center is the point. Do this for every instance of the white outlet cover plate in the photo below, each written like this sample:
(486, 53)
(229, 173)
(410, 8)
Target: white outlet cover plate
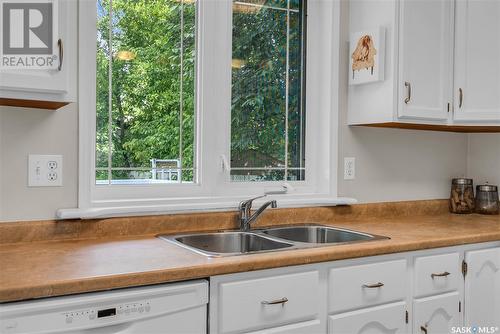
(349, 168)
(45, 170)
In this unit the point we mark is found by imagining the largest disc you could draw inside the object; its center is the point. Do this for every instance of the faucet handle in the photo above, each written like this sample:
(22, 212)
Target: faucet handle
(248, 203)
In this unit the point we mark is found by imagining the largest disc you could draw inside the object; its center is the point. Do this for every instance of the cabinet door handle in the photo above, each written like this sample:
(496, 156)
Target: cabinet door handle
(61, 54)
(443, 274)
(281, 301)
(373, 286)
(423, 329)
(408, 96)
(460, 97)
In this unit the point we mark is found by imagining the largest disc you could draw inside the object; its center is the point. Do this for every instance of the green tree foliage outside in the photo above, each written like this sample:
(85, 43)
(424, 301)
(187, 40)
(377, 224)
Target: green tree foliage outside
(145, 57)
(146, 95)
(259, 90)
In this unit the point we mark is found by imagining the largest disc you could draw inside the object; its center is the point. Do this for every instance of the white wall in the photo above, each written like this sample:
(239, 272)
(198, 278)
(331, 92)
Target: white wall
(24, 131)
(483, 163)
(393, 165)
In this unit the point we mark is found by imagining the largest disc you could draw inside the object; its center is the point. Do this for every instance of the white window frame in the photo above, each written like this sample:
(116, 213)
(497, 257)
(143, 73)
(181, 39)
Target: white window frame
(214, 190)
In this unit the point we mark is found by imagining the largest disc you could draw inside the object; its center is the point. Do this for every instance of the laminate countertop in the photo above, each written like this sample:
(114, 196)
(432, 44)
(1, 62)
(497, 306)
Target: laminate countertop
(60, 267)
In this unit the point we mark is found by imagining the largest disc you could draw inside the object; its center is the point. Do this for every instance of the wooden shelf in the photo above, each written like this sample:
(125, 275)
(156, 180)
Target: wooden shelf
(437, 127)
(51, 105)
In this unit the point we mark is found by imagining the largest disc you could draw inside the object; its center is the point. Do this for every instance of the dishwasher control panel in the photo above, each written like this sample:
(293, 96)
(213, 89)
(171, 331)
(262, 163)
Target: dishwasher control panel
(114, 312)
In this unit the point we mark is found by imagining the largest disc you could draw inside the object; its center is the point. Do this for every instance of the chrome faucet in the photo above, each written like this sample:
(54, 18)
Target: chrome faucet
(245, 209)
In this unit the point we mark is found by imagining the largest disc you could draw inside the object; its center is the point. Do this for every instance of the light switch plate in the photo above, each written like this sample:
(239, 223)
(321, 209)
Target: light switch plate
(45, 170)
(349, 168)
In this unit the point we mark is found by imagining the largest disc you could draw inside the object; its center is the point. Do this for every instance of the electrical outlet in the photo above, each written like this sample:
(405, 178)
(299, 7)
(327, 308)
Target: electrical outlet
(52, 165)
(349, 168)
(45, 170)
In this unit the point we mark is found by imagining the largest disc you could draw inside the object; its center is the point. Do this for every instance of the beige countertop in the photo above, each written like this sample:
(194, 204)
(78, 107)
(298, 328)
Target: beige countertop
(35, 269)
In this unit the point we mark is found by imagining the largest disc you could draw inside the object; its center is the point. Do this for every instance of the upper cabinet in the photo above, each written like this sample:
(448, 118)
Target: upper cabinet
(43, 87)
(477, 61)
(442, 68)
(425, 59)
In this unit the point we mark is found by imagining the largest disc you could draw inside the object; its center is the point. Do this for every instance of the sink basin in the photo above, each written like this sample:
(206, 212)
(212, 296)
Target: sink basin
(227, 243)
(317, 234)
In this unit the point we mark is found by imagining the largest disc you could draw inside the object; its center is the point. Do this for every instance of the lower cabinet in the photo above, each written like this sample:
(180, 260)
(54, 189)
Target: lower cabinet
(422, 292)
(436, 314)
(482, 288)
(386, 319)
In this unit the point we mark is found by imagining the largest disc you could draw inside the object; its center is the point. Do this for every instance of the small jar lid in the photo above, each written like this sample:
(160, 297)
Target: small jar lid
(487, 188)
(462, 181)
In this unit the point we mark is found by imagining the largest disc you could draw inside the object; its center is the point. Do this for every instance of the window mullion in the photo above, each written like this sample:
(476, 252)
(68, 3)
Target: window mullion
(214, 93)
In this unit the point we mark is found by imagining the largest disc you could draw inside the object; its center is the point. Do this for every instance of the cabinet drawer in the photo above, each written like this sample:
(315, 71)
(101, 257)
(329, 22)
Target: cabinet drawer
(368, 284)
(436, 274)
(255, 304)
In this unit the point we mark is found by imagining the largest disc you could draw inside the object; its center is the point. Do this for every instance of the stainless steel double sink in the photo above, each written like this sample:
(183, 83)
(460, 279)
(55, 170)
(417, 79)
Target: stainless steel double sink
(230, 243)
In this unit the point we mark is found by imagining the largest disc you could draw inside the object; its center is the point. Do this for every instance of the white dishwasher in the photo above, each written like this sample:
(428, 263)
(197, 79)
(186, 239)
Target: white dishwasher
(175, 308)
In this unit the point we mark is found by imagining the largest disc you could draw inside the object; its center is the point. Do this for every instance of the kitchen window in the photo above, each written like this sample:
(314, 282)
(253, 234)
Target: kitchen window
(195, 105)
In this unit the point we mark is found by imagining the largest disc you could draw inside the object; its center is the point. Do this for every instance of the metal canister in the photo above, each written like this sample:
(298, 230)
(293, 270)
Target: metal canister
(487, 201)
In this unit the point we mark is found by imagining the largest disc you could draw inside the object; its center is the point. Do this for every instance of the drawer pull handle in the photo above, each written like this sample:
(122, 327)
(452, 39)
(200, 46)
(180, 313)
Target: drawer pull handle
(281, 301)
(460, 97)
(423, 329)
(373, 286)
(444, 274)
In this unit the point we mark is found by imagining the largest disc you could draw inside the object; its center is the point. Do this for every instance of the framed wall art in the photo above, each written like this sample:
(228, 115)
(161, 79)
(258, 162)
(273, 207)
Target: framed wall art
(367, 51)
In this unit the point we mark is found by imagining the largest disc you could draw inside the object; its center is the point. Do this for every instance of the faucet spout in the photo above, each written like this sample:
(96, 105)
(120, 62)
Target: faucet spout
(246, 216)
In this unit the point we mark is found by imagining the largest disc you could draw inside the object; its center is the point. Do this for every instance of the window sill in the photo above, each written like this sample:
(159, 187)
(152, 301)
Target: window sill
(226, 204)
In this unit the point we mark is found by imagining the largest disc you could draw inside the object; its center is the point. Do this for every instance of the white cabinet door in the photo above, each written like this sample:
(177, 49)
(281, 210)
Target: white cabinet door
(425, 56)
(309, 327)
(477, 60)
(386, 319)
(437, 314)
(50, 84)
(482, 288)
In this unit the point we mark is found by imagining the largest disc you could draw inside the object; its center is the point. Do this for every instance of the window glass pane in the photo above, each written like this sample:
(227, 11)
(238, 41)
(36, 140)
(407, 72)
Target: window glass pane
(145, 86)
(267, 114)
(102, 83)
(296, 115)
